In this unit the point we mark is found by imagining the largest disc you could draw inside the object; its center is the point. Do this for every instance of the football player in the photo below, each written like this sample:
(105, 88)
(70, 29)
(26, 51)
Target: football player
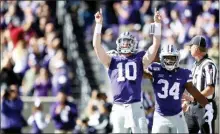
(169, 83)
(125, 72)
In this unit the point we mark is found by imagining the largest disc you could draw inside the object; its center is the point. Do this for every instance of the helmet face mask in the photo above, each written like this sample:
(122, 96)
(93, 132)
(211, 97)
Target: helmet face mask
(170, 62)
(126, 43)
(169, 57)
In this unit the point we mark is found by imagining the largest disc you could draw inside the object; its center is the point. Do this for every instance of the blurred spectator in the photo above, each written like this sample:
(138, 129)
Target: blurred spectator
(109, 15)
(59, 57)
(7, 75)
(64, 114)
(42, 83)
(183, 8)
(12, 120)
(103, 99)
(38, 120)
(60, 80)
(20, 59)
(127, 13)
(36, 48)
(177, 24)
(82, 127)
(92, 109)
(144, 7)
(30, 76)
(108, 39)
(104, 125)
(93, 102)
(98, 112)
(12, 16)
(214, 52)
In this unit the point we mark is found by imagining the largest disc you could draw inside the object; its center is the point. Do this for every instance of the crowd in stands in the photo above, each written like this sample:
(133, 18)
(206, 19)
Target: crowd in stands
(34, 63)
(32, 53)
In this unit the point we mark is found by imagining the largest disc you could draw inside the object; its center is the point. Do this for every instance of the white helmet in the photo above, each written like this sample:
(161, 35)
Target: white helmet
(132, 43)
(169, 57)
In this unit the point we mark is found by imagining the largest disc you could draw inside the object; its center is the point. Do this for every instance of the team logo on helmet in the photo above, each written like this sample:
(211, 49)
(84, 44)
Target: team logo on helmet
(169, 57)
(126, 37)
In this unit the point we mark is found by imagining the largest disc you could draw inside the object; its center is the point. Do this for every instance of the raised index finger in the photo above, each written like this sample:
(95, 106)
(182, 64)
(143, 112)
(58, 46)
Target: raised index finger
(100, 10)
(155, 10)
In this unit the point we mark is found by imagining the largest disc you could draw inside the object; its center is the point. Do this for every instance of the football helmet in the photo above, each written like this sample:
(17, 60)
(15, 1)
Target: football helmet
(169, 57)
(126, 37)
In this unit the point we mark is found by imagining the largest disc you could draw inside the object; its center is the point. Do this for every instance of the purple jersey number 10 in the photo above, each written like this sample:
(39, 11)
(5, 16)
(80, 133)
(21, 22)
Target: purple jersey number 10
(125, 67)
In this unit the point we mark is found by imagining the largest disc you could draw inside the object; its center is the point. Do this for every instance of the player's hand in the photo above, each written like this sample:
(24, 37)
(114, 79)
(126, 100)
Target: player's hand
(186, 97)
(2, 93)
(209, 113)
(98, 17)
(157, 16)
(185, 106)
(47, 118)
(59, 108)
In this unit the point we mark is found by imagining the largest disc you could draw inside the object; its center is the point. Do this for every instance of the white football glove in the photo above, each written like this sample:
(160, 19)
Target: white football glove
(209, 115)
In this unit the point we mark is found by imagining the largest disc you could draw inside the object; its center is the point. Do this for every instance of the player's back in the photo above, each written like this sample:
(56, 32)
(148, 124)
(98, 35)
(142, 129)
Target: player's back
(125, 74)
(168, 88)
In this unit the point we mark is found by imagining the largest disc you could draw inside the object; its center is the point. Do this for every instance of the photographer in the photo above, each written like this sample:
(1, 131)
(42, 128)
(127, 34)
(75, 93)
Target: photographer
(12, 120)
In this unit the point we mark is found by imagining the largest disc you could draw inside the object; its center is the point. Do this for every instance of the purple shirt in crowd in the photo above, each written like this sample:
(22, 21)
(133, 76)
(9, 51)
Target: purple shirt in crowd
(11, 113)
(66, 120)
(42, 89)
(60, 81)
(126, 74)
(134, 17)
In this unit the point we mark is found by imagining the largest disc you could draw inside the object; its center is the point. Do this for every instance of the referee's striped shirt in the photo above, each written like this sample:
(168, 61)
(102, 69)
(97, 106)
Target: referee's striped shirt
(204, 74)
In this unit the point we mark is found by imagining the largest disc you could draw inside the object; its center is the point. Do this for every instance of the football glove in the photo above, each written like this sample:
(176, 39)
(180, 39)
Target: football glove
(209, 115)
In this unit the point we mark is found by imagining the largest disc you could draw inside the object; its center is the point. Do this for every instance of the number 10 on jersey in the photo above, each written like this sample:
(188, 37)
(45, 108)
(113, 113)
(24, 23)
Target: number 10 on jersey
(126, 68)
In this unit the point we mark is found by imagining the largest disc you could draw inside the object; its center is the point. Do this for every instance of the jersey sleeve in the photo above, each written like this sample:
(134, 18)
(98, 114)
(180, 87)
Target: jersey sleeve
(210, 72)
(113, 62)
(141, 54)
(150, 69)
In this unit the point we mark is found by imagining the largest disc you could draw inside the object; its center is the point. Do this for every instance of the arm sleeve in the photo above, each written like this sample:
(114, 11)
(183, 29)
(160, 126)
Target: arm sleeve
(54, 115)
(30, 120)
(17, 105)
(38, 118)
(210, 72)
(74, 110)
(4, 106)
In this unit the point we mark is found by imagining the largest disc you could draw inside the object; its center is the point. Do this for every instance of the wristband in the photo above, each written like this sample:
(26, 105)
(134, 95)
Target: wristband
(98, 28)
(155, 28)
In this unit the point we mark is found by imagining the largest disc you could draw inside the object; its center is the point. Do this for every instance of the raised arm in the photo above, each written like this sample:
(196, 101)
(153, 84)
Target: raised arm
(99, 50)
(156, 31)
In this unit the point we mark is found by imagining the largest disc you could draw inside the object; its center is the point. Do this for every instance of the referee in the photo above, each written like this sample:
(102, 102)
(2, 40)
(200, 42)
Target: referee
(204, 74)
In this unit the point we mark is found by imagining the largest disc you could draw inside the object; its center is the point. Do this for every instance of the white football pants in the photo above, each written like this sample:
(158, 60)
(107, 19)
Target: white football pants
(126, 117)
(169, 124)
